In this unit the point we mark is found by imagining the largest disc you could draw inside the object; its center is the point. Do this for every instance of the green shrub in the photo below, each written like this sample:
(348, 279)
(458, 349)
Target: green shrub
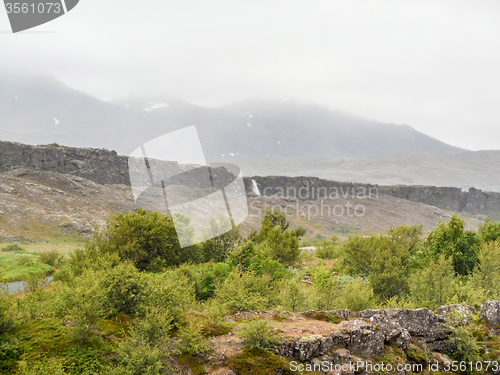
(279, 242)
(92, 258)
(205, 277)
(328, 249)
(148, 351)
(52, 366)
(327, 289)
(221, 240)
(6, 318)
(384, 259)
(435, 285)
(293, 295)
(487, 276)
(147, 239)
(489, 231)
(83, 301)
(122, 288)
(332, 291)
(139, 357)
(257, 335)
(357, 295)
(34, 284)
(245, 292)
(52, 258)
(258, 362)
(171, 291)
(453, 241)
(192, 341)
(13, 247)
(25, 260)
(154, 326)
(461, 339)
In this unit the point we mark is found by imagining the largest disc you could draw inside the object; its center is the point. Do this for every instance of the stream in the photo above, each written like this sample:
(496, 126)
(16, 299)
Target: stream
(19, 286)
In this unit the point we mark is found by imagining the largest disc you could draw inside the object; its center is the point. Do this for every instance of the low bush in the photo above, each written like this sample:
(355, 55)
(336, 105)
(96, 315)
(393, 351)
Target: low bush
(192, 341)
(25, 260)
(12, 247)
(257, 335)
(245, 292)
(257, 362)
(6, 321)
(461, 339)
(149, 350)
(328, 249)
(52, 258)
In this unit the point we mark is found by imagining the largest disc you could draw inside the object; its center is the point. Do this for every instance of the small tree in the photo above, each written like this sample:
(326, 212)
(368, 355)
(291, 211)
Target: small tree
(384, 259)
(192, 341)
(453, 241)
(148, 350)
(435, 284)
(487, 276)
(292, 294)
(489, 230)
(221, 240)
(275, 237)
(148, 239)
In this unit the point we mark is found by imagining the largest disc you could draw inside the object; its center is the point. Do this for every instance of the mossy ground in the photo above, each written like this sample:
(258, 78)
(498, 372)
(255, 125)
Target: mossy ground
(261, 362)
(21, 265)
(42, 341)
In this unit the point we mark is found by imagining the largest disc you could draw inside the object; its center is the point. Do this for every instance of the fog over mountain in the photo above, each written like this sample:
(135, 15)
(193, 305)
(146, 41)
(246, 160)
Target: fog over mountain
(43, 110)
(263, 137)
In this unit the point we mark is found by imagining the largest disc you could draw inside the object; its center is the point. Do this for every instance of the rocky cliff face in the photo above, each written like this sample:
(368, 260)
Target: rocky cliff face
(404, 337)
(98, 165)
(107, 167)
(380, 341)
(310, 188)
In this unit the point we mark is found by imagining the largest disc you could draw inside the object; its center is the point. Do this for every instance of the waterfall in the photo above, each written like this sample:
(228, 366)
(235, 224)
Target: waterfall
(255, 188)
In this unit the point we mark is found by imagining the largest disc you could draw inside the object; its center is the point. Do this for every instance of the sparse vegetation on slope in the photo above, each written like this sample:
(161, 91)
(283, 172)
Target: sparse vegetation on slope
(132, 302)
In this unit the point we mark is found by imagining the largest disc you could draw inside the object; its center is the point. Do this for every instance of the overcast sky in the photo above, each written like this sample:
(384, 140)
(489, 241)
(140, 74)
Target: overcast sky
(434, 65)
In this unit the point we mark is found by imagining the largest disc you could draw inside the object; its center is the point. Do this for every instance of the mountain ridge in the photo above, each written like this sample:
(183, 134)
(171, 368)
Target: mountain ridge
(44, 110)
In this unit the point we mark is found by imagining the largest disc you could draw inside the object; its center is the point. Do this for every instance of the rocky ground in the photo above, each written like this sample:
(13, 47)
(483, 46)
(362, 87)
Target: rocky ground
(38, 206)
(340, 338)
(42, 205)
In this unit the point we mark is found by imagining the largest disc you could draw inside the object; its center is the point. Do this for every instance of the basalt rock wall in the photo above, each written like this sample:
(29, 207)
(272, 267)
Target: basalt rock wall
(473, 201)
(107, 167)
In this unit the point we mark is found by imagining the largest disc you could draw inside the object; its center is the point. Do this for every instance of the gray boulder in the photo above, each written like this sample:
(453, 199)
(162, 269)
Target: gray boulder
(490, 311)
(462, 311)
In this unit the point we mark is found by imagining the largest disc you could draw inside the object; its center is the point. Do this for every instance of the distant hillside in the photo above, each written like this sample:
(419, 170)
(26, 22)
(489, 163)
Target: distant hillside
(108, 168)
(43, 111)
(478, 169)
(44, 205)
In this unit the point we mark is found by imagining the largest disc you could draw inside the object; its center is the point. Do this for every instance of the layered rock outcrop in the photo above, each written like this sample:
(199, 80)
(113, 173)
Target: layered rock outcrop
(107, 167)
(449, 198)
(366, 335)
